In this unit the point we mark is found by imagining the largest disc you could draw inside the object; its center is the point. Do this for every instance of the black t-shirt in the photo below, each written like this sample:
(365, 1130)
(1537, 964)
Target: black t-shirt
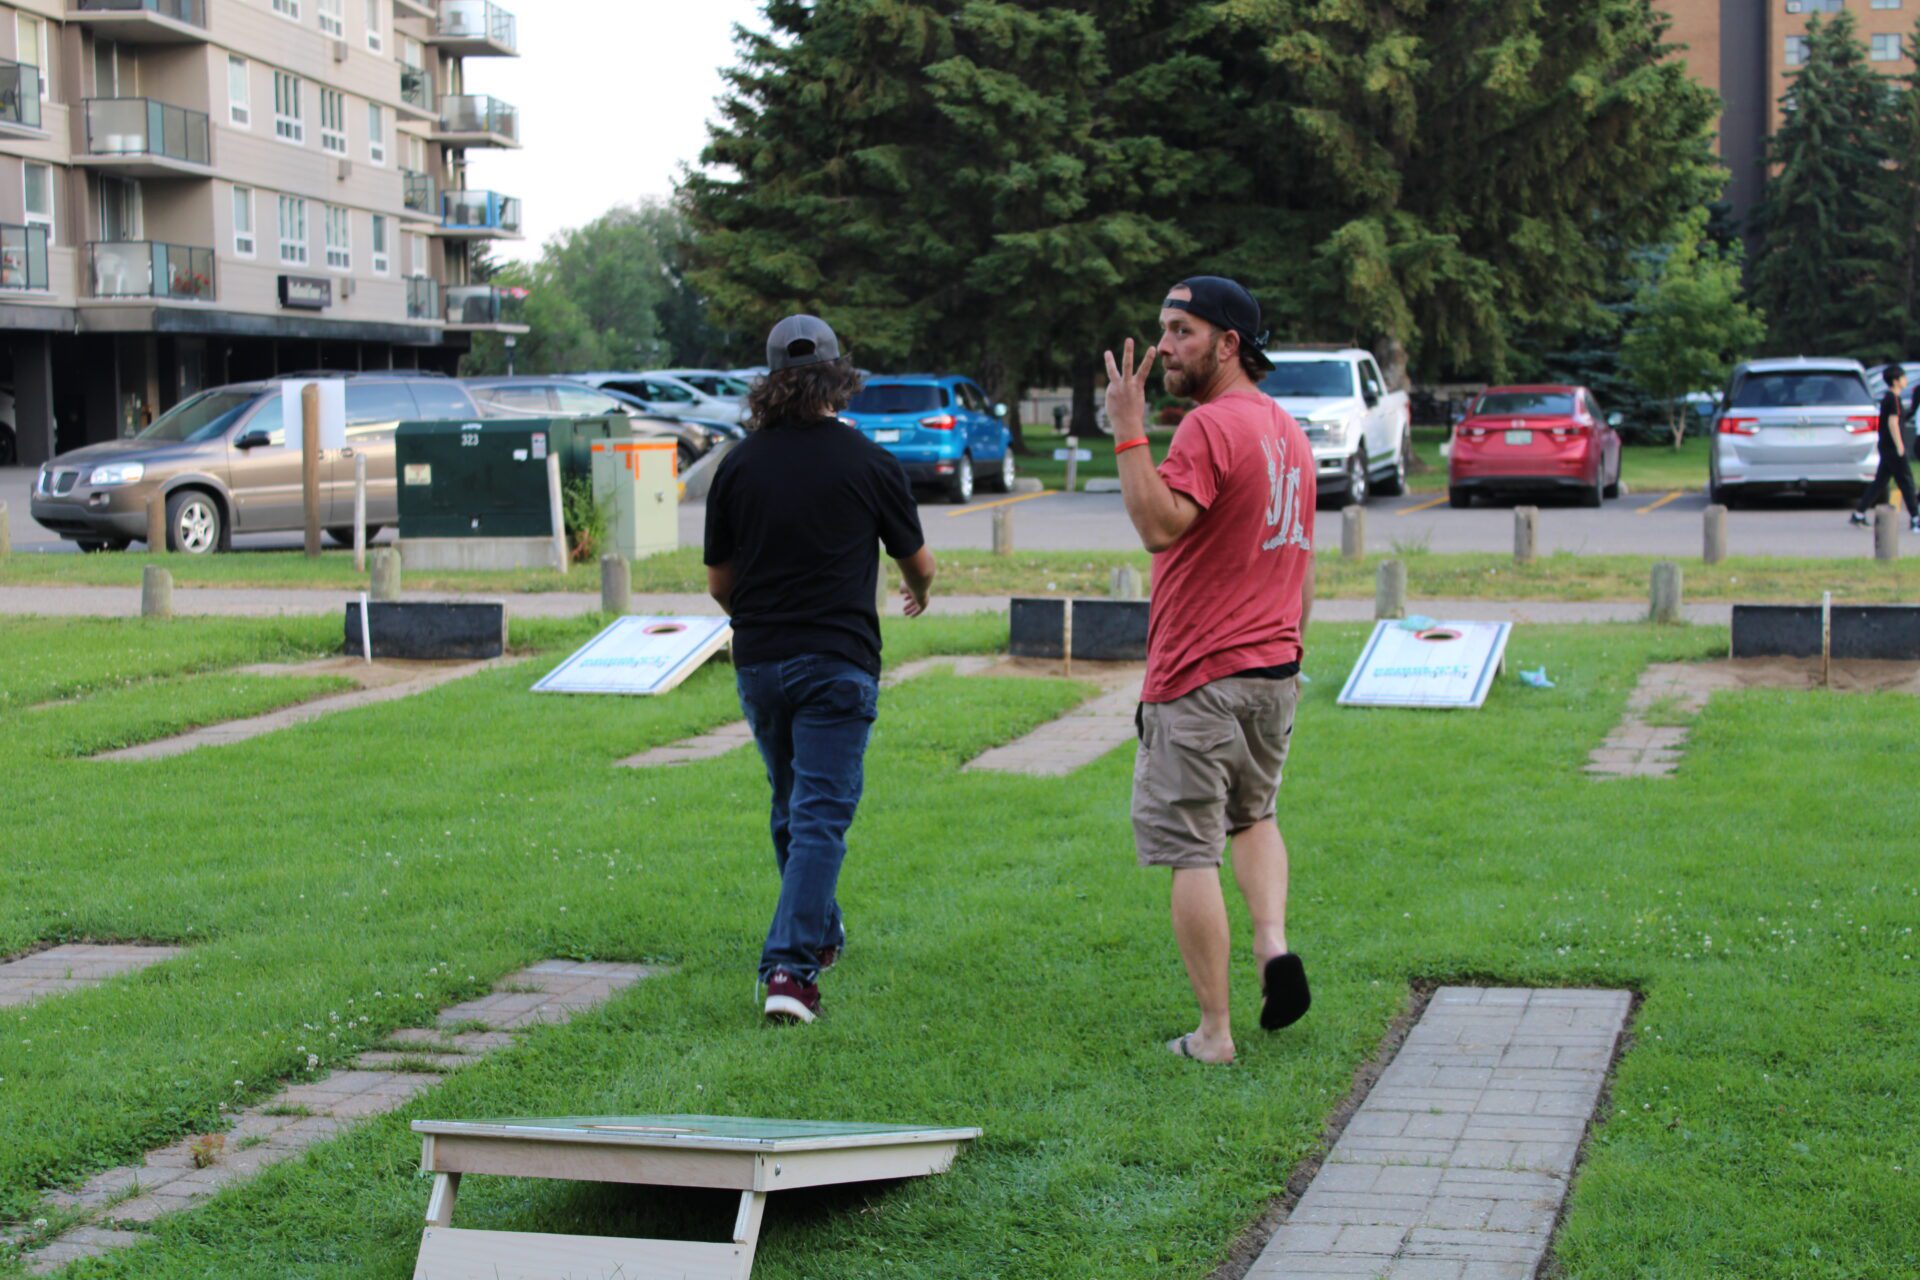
(1889, 420)
(799, 509)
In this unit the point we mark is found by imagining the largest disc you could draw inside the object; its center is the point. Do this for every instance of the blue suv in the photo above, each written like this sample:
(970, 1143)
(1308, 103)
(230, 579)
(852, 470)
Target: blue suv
(942, 427)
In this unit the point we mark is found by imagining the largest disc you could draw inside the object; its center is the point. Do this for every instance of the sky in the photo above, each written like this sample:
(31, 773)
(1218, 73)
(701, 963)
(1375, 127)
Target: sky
(614, 97)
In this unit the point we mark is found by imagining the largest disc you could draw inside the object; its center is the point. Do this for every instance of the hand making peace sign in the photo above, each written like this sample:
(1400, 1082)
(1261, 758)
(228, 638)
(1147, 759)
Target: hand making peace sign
(1127, 394)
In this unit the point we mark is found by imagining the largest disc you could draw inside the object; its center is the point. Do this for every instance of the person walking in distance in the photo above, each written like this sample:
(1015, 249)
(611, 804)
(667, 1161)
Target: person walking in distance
(1228, 518)
(1896, 465)
(795, 519)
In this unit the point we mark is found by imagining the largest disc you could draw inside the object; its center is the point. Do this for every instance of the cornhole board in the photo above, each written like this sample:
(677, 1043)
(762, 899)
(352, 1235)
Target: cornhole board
(753, 1157)
(1446, 665)
(639, 656)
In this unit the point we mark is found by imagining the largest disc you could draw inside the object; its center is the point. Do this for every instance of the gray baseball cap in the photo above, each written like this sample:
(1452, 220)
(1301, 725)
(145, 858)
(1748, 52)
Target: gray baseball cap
(799, 341)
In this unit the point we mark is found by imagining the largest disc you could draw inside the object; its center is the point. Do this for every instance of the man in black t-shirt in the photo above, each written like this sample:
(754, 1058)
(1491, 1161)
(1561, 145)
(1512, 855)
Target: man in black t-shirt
(794, 521)
(1895, 466)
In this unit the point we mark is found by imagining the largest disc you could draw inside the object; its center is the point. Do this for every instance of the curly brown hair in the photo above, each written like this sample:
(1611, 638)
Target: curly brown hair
(806, 394)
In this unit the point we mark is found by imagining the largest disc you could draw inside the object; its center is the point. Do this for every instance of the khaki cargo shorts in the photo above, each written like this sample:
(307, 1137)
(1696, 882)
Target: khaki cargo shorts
(1208, 766)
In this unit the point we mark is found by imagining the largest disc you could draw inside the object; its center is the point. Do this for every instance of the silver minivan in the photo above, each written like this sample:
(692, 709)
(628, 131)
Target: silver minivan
(1795, 425)
(220, 460)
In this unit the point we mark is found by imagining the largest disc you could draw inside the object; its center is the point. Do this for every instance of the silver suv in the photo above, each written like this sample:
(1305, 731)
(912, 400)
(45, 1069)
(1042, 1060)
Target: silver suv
(219, 460)
(1794, 426)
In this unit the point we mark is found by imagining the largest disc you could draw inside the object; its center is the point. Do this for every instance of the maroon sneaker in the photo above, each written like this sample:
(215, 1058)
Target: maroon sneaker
(828, 957)
(791, 1000)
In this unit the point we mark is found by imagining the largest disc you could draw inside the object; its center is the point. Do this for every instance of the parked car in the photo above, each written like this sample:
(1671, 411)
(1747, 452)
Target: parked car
(941, 427)
(543, 396)
(668, 397)
(1799, 425)
(1361, 433)
(712, 382)
(1527, 439)
(220, 458)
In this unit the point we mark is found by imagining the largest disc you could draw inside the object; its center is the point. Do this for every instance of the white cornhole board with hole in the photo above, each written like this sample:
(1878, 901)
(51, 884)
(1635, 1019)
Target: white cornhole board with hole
(752, 1157)
(1447, 664)
(639, 656)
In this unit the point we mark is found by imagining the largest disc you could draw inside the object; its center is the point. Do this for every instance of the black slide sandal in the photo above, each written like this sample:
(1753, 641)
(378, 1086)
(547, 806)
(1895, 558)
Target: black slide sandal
(1286, 1000)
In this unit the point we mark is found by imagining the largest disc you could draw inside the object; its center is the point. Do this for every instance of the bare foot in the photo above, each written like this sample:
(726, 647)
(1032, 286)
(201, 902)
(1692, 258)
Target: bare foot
(1201, 1049)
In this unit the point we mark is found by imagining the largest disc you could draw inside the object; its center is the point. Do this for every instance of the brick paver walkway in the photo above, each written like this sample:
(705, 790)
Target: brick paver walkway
(376, 1082)
(1455, 1165)
(1072, 742)
(71, 968)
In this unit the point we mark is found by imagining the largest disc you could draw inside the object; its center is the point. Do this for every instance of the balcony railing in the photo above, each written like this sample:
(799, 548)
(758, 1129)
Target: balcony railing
(192, 11)
(480, 211)
(476, 20)
(478, 113)
(416, 88)
(141, 126)
(150, 269)
(23, 257)
(423, 298)
(19, 94)
(417, 191)
(480, 304)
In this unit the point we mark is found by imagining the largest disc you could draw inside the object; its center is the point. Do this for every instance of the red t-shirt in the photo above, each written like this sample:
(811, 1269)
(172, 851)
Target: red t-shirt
(1226, 596)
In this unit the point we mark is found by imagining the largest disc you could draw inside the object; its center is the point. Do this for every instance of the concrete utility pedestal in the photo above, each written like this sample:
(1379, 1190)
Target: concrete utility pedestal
(636, 485)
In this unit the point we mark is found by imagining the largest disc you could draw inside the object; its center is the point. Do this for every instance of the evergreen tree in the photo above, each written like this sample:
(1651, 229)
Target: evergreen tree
(1902, 129)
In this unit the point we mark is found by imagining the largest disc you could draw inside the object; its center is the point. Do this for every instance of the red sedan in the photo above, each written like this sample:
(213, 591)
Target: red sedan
(1521, 439)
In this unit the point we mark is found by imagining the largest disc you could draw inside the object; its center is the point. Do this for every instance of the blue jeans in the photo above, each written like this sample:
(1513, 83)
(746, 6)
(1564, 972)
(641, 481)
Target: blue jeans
(810, 716)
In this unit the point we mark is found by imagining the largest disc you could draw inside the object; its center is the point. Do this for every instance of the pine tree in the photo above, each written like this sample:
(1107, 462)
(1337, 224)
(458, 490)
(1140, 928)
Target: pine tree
(1902, 128)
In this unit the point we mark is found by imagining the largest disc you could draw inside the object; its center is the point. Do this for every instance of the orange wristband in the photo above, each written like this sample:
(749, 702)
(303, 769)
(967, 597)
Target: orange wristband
(1131, 444)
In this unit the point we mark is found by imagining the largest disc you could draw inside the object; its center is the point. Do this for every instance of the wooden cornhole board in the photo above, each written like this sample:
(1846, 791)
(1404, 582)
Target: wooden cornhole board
(752, 1157)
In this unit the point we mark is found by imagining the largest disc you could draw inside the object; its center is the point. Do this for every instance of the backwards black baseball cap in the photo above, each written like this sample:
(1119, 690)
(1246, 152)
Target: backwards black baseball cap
(799, 341)
(1225, 304)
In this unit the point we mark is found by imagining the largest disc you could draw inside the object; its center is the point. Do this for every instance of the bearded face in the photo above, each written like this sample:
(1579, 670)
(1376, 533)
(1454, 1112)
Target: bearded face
(1186, 376)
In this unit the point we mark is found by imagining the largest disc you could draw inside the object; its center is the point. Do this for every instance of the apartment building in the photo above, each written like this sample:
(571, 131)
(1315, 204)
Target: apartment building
(195, 192)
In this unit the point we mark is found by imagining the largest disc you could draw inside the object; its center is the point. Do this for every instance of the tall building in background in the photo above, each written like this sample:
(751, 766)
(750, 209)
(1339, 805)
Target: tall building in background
(195, 192)
(1748, 50)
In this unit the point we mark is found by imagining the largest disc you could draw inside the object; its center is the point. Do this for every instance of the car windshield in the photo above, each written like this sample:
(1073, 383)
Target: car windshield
(897, 397)
(714, 384)
(1321, 379)
(1523, 404)
(204, 417)
(1800, 389)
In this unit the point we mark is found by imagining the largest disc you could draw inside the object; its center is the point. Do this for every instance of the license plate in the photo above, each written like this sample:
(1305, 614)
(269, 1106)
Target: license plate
(886, 437)
(1805, 435)
(1519, 437)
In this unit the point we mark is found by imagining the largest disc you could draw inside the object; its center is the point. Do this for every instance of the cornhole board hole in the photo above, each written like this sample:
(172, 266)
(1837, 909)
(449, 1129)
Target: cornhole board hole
(428, 630)
(639, 656)
(1445, 664)
(753, 1157)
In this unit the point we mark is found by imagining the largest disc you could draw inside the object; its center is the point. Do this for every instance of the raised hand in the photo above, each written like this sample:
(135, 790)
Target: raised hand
(1127, 394)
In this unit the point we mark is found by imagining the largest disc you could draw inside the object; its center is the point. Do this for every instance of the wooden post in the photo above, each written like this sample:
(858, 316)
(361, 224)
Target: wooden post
(1390, 590)
(156, 592)
(6, 533)
(359, 513)
(558, 510)
(1663, 595)
(1826, 639)
(157, 522)
(616, 586)
(446, 1189)
(880, 584)
(1714, 549)
(1353, 532)
(1526, 531)
(310, 465)
(1066, 635)
(1886, 533)
(1003, 531)
(1073, 464)
(386, 574)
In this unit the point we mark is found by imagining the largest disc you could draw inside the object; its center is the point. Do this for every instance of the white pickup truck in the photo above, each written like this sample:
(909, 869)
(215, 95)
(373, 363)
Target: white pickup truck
(1361, 433)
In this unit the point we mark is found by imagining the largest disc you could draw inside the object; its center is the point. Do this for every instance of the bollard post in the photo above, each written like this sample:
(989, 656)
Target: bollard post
(1886, 533)
(880, 592)
(1526, 531)
(1353, 532)
(6, 534)
(1714, 549)
(1003, 531)
(562, 556)
(386, 574)
(1073, 464)
(1124, 584)
(1390, 590)
(359, 513)
(616, 586)
(157, 523)
(156, 592)
(1663, 593)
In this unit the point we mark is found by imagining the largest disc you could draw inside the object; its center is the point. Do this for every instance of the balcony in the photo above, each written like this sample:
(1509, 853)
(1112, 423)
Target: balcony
(143, 21)
(413, 8)
(150, 269)
(478, 215)
(475, 120)
(20, 100)
(475, 29)
(418, 193)
(423, 298)
(416, 93)
(141, 138)
(23, 257)
(482, 306)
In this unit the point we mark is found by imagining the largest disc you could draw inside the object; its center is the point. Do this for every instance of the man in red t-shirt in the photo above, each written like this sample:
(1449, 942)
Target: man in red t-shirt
(1229, 519)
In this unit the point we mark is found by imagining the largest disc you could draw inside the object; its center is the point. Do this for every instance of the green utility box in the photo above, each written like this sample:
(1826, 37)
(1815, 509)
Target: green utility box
(477, 479)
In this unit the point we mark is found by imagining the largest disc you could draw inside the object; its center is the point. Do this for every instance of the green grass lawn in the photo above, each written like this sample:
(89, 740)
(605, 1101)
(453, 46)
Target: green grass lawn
(1010, 967)
(1644, 468)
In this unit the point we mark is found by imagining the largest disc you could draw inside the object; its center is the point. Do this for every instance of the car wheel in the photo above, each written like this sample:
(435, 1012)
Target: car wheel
(9, 451)
(1613, 490)
(1002, 481)
(1358, 488)
(960, 488)
(344, 536)
(1458, 497)
(1589, 495)
(194, 523)
(1396, 484)
(685, 455)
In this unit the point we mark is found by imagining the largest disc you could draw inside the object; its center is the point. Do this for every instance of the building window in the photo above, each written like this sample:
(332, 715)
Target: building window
(376, 133)
(333, 17)
(239, 95)
(416, 255)
(1886, 4)
(287, 123)
(293, 229)
(375, 25)
(333, 121)
(380, 263)
(30, 35)
(287, 9)
(1796, 51)
(1817, 6)
(1884, 49)
(243, 222)
(339, 239)
(37, 182)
